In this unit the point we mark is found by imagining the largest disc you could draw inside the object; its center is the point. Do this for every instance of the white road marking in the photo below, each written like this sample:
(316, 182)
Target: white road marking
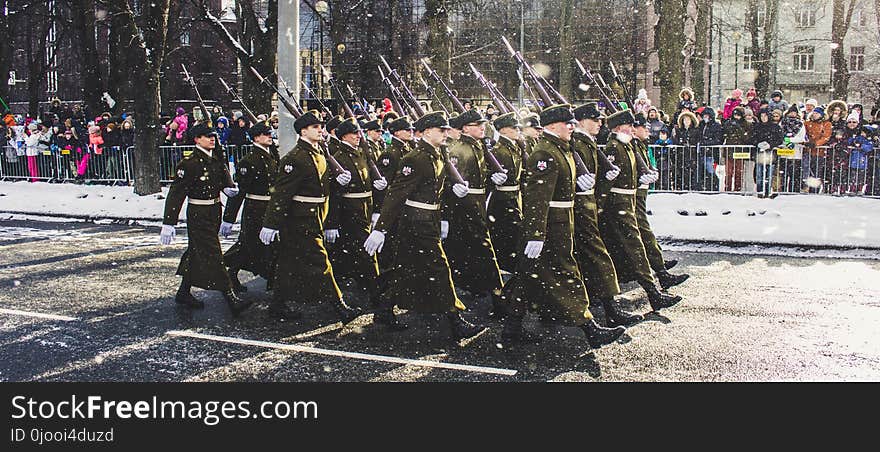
(38, 315)
(344, 354)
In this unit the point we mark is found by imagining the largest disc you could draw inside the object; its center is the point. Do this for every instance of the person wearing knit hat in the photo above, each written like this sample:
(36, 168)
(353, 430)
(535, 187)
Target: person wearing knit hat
(642, 103)
(295, 214)
(547, 277)
(809, 105)
(618, 221)
(418, 275)
(735, 100)
(465, 224)
(505, 204)
(752, 102)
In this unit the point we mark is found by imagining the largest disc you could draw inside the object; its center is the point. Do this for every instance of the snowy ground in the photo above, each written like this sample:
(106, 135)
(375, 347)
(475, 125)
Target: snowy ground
(808, 220)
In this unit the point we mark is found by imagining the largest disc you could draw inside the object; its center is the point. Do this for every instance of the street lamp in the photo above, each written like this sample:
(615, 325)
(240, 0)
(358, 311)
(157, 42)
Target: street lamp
(833, 47)
(736, 37)
(321, 7)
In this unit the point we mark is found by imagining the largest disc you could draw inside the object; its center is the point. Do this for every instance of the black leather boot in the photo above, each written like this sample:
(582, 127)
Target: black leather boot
(461, 328)
(385, 316)
(345, 312)
(617, 316)
(499, 308)
(514, 333)
(670, 263)
(236, 305)
(597, 335)
(660, 300)
(279, 310)
(186, 298)
(668, 280)
(236, 284)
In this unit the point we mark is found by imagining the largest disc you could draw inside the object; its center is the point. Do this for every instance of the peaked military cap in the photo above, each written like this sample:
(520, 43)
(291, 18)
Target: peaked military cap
(455, 120)
(372, 125)
(202, 130)
(587, 111)
(307, 119)
(333, 123)
(433, 119)
(556, 113)
(620, 118)
(469, 117)
(506, 120)
(346, 127)
(400, 124)
(532, 120)
(639, 120)
(260, 128)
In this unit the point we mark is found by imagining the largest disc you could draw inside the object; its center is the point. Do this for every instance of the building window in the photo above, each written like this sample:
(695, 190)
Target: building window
(761, 16)
(184, 39)
(748, 59)
(860, 19)
(804, 58)
(806, 17)
(857, 59)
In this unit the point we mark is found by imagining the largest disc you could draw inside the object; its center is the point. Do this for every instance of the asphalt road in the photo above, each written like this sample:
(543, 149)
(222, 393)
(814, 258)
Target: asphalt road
(744, 318)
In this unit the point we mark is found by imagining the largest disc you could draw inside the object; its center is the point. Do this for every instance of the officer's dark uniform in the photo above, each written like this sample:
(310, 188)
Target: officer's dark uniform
(297, 209)
(256, 172)
(534, 122)
(505, 202)
(200, 178)
(389, 164)
(652, 249)
(468, 245)
(350, 209)
(377, 148)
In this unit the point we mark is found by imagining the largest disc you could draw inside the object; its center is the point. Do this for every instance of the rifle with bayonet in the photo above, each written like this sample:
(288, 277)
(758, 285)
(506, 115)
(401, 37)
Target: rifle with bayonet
(643, 166)
(433, 93)
(296, 111)
(407, 94)
(315, 96)
(195, 88)
(493, 93)
(365, 146)
(392, 90)
(238, 99)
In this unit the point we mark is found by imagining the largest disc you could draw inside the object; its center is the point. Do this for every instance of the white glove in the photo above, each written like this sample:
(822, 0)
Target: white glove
(231, 191)
(613, 173)
(166, 235)
(344, 178)
(380, 184)
(499, 178)
(533, 248)
(460, 190)
(763, 145)
(646, 179)
(586, 181)
(267, 235)
(330, 235)
(225, 229)
(444, 229)
(374, 219)
(374, 242)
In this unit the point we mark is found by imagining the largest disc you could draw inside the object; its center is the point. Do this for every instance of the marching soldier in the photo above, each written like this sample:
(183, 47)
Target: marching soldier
(200, 178)
(332, 140)
(348, 221)
(593, 260)
(652, 248)
(389, 162)
(373, 129)
(547, 276)
(531, 131)
(295, 217)
(505, 203)
(617, 216)
(256, 171)
(465, 222)
(419, 277)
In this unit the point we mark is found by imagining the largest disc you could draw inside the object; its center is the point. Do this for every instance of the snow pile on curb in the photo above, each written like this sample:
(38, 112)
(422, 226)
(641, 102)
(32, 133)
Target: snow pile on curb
(789, 219)
(809, 220)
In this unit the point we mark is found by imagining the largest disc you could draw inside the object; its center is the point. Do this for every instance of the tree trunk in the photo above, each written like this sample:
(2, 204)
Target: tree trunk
(840, 22)
(38, 24)
(669, 42)
(763, 51)
(6, 51)
(438, 43)
(566, 44)
(83, 18)
(700, 60)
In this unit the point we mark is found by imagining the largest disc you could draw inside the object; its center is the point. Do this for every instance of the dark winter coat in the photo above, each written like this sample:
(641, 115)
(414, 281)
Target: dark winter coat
(711, 133)
(737, 132)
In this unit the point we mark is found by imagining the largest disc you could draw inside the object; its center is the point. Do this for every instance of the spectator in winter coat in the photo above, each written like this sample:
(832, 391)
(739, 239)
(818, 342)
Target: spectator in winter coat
(642, 103)
(818, 134)
(736, 133)
(222, 129)
(182, 122)
(836, 112)
(238, 133)
(711, 134)
(686, 135)
(809, 106)
(126, 134)
(655, 124)
(752, 101)
(776, 101)
(663, 157)
(766, 137)
(735, 100)
(860, 147)
(795, 134)
(685, 103)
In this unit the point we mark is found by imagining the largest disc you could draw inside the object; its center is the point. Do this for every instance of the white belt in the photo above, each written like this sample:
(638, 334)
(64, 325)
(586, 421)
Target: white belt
(361, 195)
(591, 191)
(643, 187)
(562, 204)
(507, 187)
(623, 191)
(258, 197)
(476, 191)
(204, 202)
(310, 199)
(421, 205)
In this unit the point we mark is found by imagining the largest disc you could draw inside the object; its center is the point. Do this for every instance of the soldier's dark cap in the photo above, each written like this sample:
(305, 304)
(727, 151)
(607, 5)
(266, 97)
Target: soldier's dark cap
(346, 127)
(372, 125)
(470, 117)
(260, 128)
(202, 130)
(307, 119)
(639, 120)
(532, 120)
(588, 111)
(556, 113)
(455, 120)
(430, 120)
(620, 118)
(389, 118)
(400, 124)
(333, 123)
(506, 120)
